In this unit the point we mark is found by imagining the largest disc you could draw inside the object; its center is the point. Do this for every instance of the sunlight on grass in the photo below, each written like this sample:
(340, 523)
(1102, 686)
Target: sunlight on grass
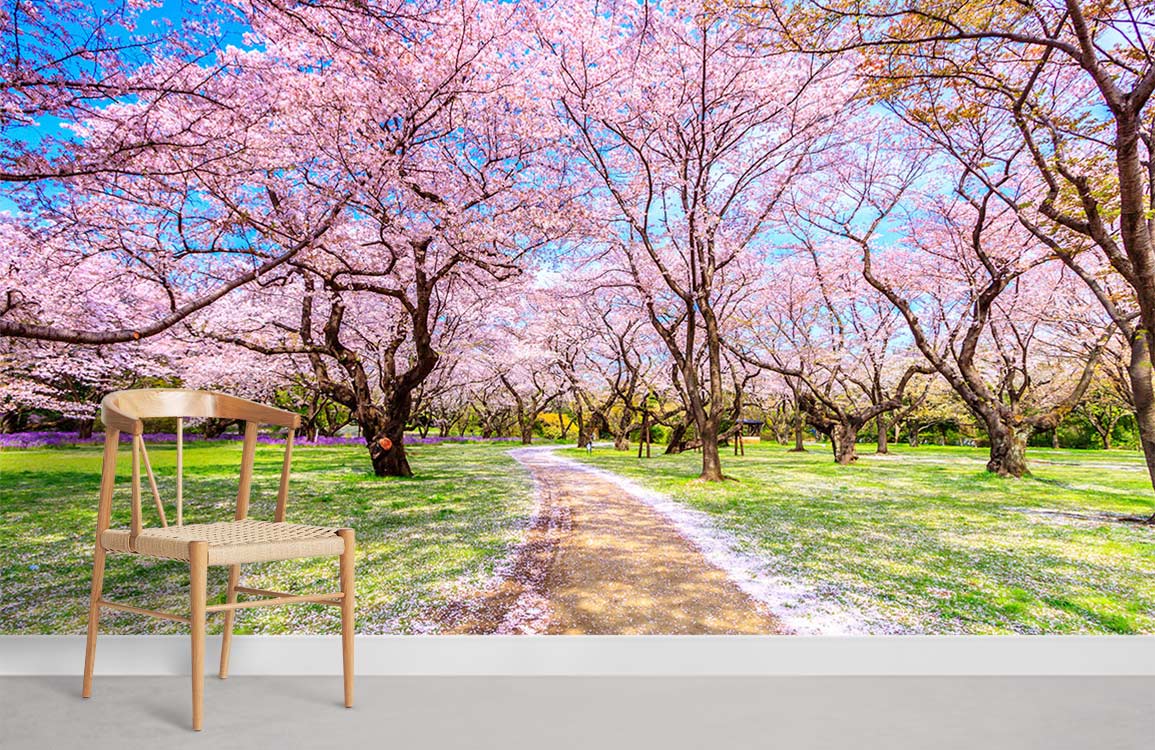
(927, 540)
(420, 541)
(924, 539)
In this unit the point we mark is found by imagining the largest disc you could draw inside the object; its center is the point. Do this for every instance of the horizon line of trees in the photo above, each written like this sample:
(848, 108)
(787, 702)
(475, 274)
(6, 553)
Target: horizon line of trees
(1101, 421)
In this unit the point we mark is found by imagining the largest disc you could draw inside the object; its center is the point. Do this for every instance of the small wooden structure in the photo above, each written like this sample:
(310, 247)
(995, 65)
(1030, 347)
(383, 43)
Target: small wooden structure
(752, 430)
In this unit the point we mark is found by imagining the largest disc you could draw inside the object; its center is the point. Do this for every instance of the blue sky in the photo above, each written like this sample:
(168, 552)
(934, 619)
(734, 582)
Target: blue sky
(169, 15)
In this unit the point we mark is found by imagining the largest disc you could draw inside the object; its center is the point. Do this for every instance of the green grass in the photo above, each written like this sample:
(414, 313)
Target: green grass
(929, 542)
(421, 541)
(923, 541)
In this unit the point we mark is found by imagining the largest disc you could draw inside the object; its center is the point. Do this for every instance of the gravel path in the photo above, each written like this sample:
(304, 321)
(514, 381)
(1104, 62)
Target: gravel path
(599, 561)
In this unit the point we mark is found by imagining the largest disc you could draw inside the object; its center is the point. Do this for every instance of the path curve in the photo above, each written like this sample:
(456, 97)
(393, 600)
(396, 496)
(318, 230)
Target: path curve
(600, 561)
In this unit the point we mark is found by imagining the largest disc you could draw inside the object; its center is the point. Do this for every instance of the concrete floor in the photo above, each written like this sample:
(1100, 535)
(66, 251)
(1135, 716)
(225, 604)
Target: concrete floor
(863, 713)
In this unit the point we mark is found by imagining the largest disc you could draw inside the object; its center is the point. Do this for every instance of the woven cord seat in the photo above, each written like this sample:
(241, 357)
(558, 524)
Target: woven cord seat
(231, 542)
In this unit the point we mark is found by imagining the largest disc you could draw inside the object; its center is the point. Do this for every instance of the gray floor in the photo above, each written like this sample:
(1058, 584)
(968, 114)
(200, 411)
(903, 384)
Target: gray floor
(986, 713)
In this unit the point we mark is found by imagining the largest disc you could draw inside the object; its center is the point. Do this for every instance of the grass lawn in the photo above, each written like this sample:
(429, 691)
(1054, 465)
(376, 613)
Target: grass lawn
(421, 541)
(926, 541)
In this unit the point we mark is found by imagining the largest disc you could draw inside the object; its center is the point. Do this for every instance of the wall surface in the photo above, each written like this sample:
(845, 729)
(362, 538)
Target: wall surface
(599, 655)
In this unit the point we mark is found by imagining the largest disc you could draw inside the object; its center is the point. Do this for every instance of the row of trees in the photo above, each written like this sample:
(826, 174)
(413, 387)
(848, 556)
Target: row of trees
(618, 395)
(650, 211)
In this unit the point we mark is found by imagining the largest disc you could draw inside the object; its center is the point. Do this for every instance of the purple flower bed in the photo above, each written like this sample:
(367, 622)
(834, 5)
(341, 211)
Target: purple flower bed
(52, 439)
(434, 439)
(40, 439)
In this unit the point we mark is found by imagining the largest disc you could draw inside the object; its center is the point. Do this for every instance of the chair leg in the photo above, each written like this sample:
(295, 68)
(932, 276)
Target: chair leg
(347, 603)
(93, 619)
(230, 615)
(198, 578)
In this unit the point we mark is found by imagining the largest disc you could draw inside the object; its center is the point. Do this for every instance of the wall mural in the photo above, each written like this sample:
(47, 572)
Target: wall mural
(598, 319)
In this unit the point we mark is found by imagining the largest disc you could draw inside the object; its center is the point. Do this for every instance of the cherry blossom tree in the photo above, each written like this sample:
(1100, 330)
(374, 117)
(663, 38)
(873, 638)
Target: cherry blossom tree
(55, 378)
(1048, 107)
(439, 176)
(532, 390)
(1103, 409)
(977, 293)
(615, 362)
(106, 109)
(74, 287)
(444, 398)
(940, 407)
(247, 157)
(817, 323)
(690, 133)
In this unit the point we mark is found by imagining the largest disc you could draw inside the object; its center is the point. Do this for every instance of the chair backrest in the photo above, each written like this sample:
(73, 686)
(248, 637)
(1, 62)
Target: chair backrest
(125, 411)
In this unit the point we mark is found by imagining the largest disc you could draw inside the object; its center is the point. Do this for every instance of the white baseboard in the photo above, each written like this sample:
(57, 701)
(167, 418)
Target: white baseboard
(598, 655)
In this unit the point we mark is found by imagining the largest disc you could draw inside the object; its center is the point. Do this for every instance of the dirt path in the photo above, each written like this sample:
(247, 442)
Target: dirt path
(599, 561)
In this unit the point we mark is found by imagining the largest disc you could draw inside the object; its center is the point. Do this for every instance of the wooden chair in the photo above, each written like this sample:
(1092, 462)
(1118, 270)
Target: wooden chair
(231, 543)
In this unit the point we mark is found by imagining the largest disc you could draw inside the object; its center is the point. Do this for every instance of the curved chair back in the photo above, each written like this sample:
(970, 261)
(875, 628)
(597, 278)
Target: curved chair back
(125, 411)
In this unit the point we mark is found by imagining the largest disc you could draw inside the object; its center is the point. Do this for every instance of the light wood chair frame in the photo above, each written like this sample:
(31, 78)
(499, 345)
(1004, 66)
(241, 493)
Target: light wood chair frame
(125, 411)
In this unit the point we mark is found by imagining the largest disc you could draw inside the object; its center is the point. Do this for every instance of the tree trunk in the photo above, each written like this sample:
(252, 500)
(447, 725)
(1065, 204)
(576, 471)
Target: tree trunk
(10, 421)
(84, 428)
(621, 442)
(213, 428)
(677, 440)
(711, 457)
(527, 432)
(1008, 457)
(844, 439)
(384, 431)
(580, 419)
(883, 436)
(799, 447)
(386, 441)
(1143, 394)
(1055, 438)
(1135, 232)
(390, 463)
